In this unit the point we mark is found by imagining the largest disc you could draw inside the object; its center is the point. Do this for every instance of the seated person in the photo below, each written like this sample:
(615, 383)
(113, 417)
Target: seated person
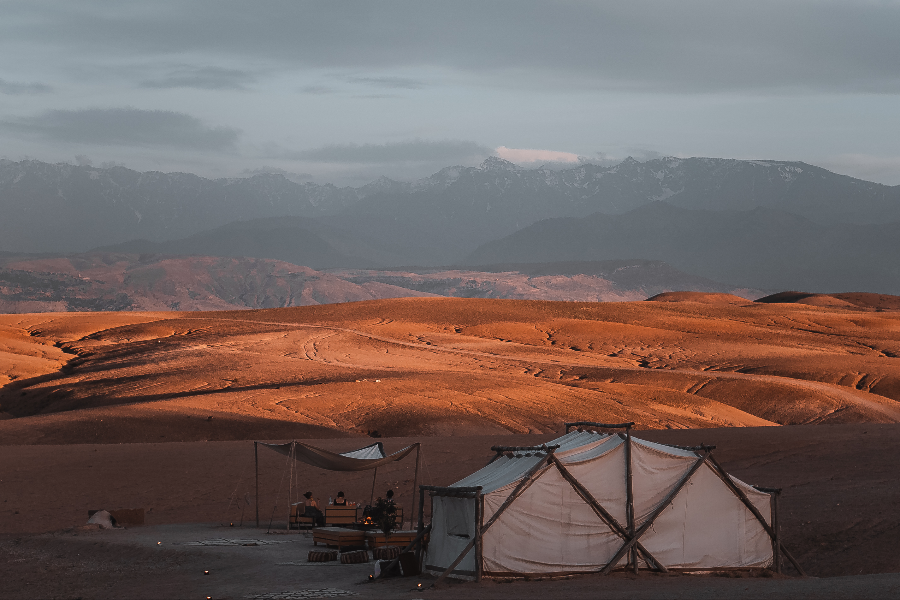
(312, 509)
(340, 500)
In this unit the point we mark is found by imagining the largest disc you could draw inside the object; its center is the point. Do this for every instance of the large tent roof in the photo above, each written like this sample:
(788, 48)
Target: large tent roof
(574, 447)
(363, 459)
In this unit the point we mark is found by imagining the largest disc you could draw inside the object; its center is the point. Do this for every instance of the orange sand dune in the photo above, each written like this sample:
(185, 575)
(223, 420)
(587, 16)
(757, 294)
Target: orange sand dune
(442, 366)
(702, 297)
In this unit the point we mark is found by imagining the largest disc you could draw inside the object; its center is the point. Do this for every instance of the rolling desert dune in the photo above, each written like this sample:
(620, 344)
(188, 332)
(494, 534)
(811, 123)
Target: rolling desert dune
(444, 366)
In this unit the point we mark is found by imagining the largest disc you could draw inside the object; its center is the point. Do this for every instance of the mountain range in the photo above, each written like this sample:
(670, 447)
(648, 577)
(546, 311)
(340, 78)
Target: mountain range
(766, 248)
(766, 225)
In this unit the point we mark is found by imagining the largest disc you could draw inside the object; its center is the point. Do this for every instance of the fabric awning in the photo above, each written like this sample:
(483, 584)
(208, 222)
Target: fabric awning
(369, 457)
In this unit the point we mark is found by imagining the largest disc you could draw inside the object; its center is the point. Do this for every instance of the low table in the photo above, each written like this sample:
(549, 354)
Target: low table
(402, 538)
(338, 536)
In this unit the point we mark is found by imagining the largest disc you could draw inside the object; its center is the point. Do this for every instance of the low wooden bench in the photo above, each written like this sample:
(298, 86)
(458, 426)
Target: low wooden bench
(338, 536)
(341, 515)
(297, 517)
(402, 538)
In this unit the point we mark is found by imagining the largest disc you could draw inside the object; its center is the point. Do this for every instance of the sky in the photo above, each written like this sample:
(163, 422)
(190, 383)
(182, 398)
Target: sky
(345, 92)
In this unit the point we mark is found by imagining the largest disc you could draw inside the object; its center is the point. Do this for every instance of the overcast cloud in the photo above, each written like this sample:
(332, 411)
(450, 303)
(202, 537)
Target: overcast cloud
(124, 127)
(204, 78)
(12, 88)
(349, 83)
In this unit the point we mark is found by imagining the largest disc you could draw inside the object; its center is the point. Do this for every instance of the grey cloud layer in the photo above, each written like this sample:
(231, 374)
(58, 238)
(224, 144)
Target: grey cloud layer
(686, 46)
(123, 127)
(443, 151)
(206, 78)
(12, 88)
(399, 83)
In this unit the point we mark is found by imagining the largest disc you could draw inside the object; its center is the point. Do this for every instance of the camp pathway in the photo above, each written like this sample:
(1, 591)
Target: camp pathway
(159, 562)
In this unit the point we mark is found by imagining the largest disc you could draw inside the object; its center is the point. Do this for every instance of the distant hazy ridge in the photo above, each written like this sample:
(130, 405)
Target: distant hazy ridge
(762, 224)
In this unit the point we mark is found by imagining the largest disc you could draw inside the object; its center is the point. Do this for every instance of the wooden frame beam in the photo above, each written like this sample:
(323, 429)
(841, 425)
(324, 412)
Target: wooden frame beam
(542, 448)
(628, 425)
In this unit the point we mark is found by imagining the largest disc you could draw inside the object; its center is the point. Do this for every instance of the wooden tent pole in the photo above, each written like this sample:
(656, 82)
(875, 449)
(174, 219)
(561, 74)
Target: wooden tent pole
(256, 461)
(649, 522)
(291, 483)
(421, 524)
(629, 496)
(604, 515)
(743, 497)
(412, 510)
(372, 497)
(479, 535)
(776, 526)
(523, 485)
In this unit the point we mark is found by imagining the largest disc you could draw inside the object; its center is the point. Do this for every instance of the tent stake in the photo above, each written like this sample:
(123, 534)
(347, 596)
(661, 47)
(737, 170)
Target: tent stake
(717, 468)
(649, 522)
(256, 460)
(604, 514)
(527, 479)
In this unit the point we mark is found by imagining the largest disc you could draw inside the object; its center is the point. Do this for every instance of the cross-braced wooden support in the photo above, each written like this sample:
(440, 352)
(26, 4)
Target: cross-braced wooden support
(604, 515)
(628, 545)
(629, 533)
(773, 533)
(524, 484)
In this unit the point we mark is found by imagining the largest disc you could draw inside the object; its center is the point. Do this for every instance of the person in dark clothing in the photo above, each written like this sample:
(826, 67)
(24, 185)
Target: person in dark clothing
(340, 500)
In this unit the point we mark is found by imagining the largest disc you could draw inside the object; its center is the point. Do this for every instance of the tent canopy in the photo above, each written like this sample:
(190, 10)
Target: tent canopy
(363, 459)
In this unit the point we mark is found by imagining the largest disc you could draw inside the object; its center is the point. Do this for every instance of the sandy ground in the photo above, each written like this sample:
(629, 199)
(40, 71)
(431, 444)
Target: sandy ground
(443, 367)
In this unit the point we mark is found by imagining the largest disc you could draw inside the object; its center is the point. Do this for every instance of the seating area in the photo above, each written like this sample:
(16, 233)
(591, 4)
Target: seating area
(341, 515)
(297, 518)
(339, 537)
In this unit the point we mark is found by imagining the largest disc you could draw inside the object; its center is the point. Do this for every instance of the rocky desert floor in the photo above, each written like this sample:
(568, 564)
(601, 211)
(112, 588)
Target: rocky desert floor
(159, 410)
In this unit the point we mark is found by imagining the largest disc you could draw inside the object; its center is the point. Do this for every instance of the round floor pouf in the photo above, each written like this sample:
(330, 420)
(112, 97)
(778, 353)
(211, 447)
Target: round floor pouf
(352, 558)
(322, 555)
(386, 552)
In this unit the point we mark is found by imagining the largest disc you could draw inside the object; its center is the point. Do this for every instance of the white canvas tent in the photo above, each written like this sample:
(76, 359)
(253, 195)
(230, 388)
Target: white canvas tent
(591, 502)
